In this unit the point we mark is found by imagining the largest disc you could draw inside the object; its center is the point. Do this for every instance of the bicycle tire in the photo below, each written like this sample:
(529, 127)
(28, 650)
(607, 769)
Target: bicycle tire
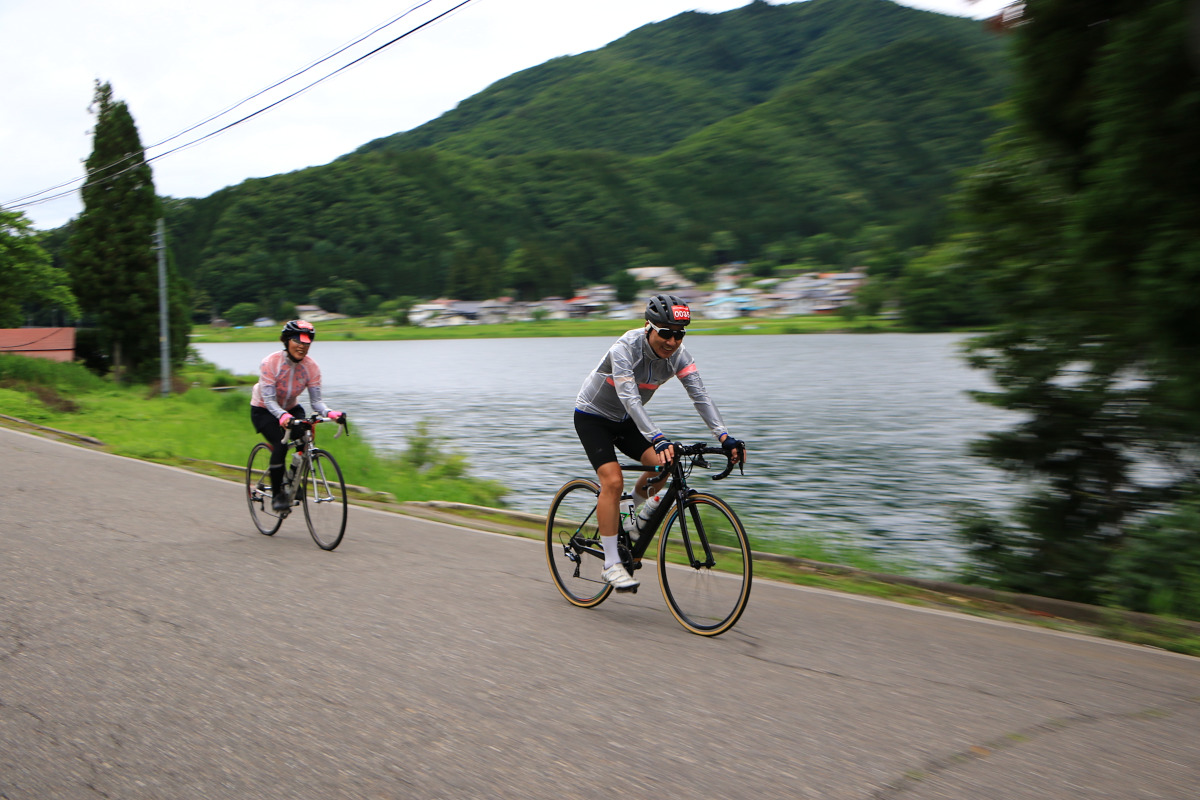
(573, 549)
(706, 599)
(323, 492)
(258, 490)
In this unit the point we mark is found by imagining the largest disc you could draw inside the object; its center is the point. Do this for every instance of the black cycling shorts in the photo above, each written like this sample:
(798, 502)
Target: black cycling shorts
(602, 437)
(268, 425)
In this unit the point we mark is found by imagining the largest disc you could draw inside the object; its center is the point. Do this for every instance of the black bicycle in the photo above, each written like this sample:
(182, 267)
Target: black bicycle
(704, 563)
(313, 479)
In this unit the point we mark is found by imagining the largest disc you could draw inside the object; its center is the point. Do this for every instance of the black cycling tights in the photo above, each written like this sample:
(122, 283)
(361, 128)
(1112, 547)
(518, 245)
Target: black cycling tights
(266, 424)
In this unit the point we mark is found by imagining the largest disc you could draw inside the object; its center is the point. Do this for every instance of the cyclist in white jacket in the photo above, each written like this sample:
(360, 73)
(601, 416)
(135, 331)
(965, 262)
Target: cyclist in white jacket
(610, 414)
(275, 399)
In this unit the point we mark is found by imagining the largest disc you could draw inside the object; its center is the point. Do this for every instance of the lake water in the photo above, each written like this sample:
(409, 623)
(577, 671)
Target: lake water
(859, 435)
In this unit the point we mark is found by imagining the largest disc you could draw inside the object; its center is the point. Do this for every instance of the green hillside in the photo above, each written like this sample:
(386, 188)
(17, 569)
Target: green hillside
(771, 123)
(875, 140)
(665, 81)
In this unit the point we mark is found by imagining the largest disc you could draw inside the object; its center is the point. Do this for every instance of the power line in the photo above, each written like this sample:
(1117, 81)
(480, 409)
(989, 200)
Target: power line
(28, 200)
(220, 114)
(296, 74)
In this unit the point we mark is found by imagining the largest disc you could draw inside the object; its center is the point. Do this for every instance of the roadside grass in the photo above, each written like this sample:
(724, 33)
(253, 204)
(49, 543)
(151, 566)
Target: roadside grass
(836, 548)
(206, 425)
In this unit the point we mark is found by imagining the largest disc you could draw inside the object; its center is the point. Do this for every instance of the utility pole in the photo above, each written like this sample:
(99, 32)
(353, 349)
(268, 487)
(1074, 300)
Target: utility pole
(164, 329)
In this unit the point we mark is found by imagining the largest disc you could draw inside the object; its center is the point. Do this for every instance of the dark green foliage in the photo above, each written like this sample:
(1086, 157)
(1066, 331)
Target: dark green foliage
(113, 268)
(341, 296)
(179, 313)
(625, 285)
(860, 143)
(242, 314)
(1157, 568)
(284, 311)
(768, 123)
(1086, 241)
(31, 284)
(90, 350)
(943, 289)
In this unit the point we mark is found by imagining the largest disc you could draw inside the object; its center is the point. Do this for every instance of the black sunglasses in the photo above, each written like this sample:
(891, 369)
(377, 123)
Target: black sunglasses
(667, 333)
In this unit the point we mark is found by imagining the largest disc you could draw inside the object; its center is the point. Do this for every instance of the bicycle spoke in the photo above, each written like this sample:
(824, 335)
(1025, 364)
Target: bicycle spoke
(258, 490)
(704, 566)
(324, 496)
(573, 548)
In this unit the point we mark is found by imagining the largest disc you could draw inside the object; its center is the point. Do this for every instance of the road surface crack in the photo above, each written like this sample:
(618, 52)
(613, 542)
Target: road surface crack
(940, 766)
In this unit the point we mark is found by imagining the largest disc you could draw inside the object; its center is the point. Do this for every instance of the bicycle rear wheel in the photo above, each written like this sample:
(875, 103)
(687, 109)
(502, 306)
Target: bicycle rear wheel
(324, 495)
(706, 587)
(258, 490)
(573, 548)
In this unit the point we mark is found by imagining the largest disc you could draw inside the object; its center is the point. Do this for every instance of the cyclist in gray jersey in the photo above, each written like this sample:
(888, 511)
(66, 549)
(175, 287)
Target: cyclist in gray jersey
(610, 414)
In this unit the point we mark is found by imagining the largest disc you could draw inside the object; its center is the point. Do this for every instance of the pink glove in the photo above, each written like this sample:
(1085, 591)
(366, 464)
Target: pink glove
(336, 415)
(285, 420)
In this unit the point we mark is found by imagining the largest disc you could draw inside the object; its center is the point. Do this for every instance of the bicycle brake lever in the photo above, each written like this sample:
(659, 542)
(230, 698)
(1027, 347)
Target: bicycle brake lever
(725, 472)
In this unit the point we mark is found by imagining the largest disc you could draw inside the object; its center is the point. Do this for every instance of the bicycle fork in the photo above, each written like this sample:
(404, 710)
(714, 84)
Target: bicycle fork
(692, 537)
(686, 537)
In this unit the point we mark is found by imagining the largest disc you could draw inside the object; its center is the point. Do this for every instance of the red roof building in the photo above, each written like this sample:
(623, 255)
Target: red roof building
(56, 344)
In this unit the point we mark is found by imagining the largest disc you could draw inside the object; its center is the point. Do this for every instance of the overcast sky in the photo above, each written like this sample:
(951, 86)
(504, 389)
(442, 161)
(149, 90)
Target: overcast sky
(176, 64)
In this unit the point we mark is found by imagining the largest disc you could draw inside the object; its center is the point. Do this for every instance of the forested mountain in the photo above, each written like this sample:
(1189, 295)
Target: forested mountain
(652, 88)
(767, 125)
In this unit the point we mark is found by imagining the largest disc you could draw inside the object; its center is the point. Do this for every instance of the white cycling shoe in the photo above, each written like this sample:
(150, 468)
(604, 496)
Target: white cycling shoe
(619, 578)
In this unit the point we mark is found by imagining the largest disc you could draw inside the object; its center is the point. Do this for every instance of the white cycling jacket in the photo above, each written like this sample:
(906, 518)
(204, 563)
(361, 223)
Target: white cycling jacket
(628, 376)
(281, 380)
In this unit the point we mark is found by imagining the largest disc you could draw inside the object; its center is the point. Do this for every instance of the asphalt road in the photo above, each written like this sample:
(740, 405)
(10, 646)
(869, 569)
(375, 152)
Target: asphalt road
(154, 645)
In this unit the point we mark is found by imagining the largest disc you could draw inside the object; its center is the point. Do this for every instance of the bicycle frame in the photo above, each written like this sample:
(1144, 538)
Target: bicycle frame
(674, 494)
(303, 445)
(670, 500)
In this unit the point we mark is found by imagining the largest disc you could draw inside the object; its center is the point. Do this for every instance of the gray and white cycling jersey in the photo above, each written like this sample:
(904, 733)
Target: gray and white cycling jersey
(628, 376)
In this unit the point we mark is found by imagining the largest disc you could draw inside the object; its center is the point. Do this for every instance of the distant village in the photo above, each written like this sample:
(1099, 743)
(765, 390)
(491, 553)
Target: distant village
(810, 293)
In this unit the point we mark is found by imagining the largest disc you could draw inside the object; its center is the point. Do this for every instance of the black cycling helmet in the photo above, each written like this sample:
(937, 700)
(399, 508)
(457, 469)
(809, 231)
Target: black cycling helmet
(298, 329)
(667, 309)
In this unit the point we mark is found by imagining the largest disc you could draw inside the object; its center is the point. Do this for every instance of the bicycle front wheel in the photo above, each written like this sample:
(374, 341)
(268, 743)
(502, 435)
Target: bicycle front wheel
(704, 565)
(258, 490)
(324, 494)
(573, 548)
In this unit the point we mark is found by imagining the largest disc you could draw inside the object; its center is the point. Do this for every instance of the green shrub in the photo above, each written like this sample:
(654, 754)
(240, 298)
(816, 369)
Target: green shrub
(44, 372)
(242, 314)
(1157, 569)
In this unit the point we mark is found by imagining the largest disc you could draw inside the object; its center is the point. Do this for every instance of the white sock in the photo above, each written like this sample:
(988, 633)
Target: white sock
(609, 543)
